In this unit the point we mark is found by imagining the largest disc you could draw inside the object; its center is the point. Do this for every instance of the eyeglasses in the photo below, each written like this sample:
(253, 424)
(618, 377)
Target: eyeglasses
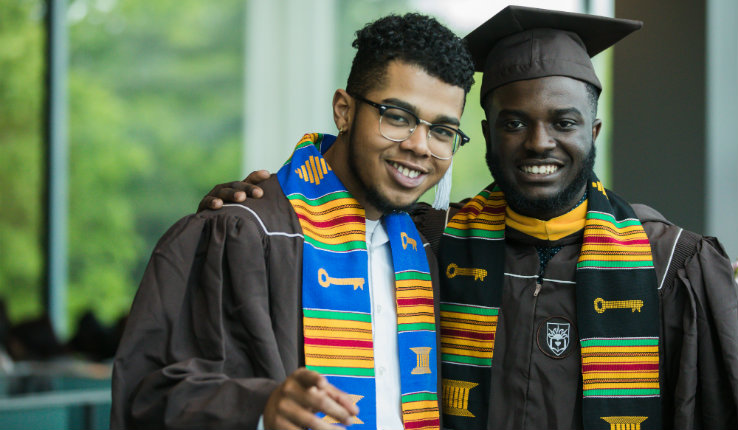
(398, 124)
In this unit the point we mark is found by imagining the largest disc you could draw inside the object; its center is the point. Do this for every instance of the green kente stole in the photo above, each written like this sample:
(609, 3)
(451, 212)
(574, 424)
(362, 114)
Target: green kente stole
(336, 299)
(617, 313)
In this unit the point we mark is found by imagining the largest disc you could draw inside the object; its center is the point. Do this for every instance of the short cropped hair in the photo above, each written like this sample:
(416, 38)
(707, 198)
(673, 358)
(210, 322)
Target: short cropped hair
(593, 96)
(414, 39)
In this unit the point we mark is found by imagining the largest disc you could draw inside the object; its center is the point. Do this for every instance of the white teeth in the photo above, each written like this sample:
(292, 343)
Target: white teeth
(406, 171)
(540, 170)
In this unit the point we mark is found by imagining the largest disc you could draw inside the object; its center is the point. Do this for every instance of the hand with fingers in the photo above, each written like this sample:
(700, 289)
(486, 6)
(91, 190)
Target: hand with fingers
(234, 192)
(294, 403)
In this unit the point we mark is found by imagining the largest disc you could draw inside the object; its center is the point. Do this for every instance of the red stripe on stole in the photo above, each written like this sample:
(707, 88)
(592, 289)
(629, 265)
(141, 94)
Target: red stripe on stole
(608, 239)
(619, 367)
(423, 423)
(493, 210)
(333, 221)
(469, 210)
(468, 334)
(339, 342)
(415, 302)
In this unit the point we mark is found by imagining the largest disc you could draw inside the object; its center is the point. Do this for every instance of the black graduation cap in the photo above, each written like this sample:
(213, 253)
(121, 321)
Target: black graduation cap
(526, 43)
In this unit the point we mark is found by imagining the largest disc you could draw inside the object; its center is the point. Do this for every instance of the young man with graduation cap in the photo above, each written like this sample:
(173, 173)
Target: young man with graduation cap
(562, 305)
(314, 305)
(591, 318)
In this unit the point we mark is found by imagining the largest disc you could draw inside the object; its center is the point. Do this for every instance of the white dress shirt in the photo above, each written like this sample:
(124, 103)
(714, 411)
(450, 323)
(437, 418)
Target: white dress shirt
(384, 327)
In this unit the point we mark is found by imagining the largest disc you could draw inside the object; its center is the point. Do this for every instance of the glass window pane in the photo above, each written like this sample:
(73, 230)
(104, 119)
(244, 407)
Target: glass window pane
(156, 95)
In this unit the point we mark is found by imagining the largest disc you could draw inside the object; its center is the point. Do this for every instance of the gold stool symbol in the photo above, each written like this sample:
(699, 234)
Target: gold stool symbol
(422, 353)
(456, 397)
(625, 423)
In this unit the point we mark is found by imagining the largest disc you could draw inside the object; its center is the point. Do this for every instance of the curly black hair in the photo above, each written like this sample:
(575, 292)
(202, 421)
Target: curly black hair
(412, 38)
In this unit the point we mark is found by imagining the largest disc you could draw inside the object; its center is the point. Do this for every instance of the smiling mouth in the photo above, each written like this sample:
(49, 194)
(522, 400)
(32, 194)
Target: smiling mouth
(544, 169)
(405, 171)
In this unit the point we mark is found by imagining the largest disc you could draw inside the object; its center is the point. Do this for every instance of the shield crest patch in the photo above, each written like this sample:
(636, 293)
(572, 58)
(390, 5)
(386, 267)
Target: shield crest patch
(555, 337)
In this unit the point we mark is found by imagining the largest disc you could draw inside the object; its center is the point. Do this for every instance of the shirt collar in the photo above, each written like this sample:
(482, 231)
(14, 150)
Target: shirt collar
(376, 235)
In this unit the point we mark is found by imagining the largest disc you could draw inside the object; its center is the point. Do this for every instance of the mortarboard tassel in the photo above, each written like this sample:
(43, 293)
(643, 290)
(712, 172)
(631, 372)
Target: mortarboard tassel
(443, 190)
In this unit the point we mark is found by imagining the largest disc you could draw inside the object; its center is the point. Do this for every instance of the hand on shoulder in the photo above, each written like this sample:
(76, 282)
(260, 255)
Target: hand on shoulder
(234, 192)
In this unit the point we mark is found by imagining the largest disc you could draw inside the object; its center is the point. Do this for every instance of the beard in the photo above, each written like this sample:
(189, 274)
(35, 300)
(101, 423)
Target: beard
(372, 194)
(559, 203)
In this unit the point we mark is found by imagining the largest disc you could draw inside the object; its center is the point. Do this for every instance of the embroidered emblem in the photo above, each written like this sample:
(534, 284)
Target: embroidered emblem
(625, 423)
(325, 281)
(454, 270)
(407, 240)
(456, 397)
(313, 170)
(422, 353)
(555, 337)
(602, 305)
(354, 398)
(598, 185)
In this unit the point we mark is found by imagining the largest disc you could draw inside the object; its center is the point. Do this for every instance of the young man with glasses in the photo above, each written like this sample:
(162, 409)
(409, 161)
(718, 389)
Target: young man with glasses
(316, 304)
(398, 123)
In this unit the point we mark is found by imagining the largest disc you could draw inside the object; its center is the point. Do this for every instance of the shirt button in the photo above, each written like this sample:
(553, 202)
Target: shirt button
(381, 371)
(379, 309)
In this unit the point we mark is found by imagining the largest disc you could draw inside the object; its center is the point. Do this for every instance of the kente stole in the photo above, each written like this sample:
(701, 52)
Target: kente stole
(336, 300)
(619, 348)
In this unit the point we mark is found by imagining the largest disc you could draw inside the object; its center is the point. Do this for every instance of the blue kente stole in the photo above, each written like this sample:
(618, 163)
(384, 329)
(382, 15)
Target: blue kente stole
(336, 299)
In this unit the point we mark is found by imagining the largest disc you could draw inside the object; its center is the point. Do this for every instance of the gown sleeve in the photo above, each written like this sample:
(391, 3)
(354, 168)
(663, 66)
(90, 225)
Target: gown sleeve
(431, 222)
(700, 311)
(199, 350)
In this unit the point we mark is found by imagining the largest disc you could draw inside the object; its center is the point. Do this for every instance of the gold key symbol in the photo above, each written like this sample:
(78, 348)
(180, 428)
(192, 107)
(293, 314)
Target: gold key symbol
(454, 270)
(407, 240)
(602, 305)
(325, 281)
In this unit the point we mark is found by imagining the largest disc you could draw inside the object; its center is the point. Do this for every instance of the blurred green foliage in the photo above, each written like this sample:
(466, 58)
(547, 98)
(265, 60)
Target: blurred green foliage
(156, 93)
(155, 106)
(155, 120)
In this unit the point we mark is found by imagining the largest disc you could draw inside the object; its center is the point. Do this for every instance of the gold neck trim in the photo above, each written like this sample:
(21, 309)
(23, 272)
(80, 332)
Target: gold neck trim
(551, 230)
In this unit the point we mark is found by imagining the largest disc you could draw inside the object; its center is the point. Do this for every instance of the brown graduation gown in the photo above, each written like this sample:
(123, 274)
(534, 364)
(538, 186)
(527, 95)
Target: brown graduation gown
(216, 324)
(535, 389)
